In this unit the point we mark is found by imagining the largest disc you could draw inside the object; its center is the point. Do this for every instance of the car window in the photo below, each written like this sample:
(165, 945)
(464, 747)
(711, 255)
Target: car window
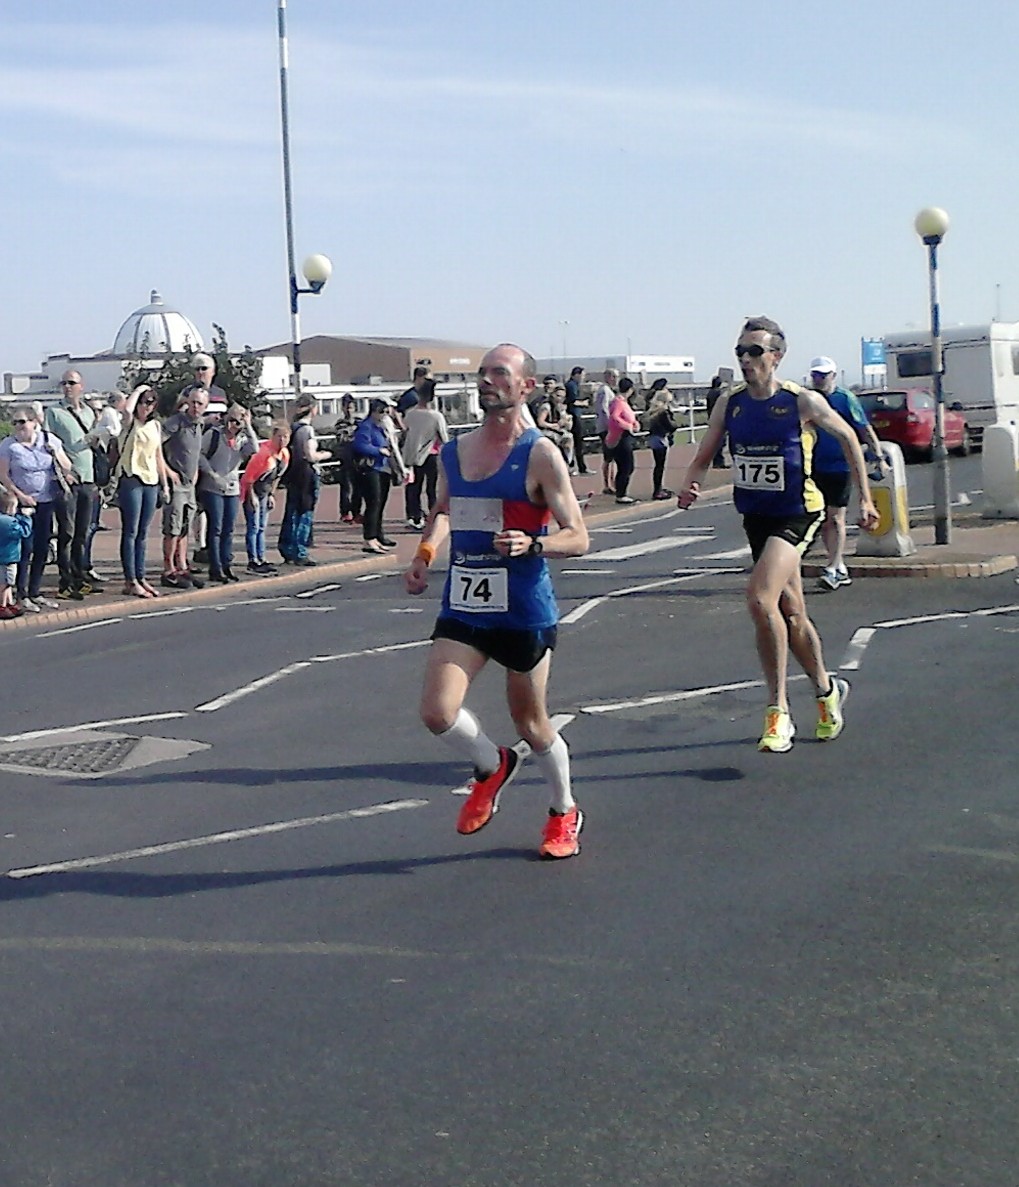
(883, 402)
(922, 400)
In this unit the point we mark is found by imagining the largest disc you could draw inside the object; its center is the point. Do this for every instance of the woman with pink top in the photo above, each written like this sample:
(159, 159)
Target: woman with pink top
(258, 484)
(623, 423)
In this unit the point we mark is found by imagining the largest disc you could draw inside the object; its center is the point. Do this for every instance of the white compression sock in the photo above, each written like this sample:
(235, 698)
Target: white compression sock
(466, 737)
(555, 766)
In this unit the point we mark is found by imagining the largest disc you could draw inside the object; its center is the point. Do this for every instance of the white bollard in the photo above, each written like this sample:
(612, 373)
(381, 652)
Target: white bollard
(1001, 472)
(891, 498)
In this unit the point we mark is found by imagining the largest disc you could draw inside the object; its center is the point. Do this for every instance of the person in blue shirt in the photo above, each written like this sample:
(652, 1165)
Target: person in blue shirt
(15, 527)
(831, 470)
(499, 486)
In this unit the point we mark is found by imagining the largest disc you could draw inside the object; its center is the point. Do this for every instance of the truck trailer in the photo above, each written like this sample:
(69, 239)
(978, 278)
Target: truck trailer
(981, 370)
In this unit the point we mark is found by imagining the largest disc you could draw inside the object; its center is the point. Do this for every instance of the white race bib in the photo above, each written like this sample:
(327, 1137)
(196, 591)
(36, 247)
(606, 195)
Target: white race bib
(759, 473)
(478, 591)
(475, 515)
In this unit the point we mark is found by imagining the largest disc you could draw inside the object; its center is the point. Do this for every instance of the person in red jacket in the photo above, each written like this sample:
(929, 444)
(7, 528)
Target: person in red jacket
(261, 476)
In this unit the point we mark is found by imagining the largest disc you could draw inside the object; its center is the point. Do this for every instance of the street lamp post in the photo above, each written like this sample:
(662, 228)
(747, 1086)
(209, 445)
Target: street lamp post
(931, 224)
(317, 268)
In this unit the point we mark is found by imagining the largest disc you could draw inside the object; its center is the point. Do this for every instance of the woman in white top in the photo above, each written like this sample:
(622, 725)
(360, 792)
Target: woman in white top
(141, 474)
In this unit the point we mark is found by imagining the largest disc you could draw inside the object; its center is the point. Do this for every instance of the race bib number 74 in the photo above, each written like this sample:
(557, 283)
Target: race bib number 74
(478, 591)
(759, 473)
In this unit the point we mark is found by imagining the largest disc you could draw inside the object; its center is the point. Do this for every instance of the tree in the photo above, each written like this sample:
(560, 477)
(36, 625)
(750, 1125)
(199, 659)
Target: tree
(238, 375)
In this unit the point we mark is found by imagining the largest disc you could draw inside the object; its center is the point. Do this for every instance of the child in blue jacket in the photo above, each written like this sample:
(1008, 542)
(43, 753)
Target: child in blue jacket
(15, 526)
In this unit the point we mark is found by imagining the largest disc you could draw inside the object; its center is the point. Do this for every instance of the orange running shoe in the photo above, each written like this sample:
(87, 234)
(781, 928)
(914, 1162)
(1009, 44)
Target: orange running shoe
(562, 834)
(483, 802)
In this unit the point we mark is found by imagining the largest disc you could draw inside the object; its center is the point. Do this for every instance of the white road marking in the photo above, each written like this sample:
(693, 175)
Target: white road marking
(303, 609)
(249, 602)
(857, 646)
(407, 610)
(585, 572)
(586, 607)
(667, 698)
(559, 722)
(239, 834)
(645, 548)
(85, 626)
(731, 555)
(328, 659)
(320, 589)
(262, 682)
(163, 613)
(894, 622)
(91, 725)
(996, 610)
(612, 531)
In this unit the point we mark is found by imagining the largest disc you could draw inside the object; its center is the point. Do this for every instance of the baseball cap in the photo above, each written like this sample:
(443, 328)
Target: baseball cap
(823, 365)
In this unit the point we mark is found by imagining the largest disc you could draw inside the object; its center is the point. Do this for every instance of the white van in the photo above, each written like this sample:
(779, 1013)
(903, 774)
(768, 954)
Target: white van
(981, 370)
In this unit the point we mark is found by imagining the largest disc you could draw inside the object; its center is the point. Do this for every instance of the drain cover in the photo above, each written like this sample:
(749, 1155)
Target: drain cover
(90, 754)
(78, 758)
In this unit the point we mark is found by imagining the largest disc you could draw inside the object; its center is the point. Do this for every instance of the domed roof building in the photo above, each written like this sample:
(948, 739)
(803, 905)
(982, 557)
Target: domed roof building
(156, 329)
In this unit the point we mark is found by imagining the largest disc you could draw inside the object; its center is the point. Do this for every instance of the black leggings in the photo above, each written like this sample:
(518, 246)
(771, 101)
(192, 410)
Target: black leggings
(659, 471)
(622, 455)
(375, 490)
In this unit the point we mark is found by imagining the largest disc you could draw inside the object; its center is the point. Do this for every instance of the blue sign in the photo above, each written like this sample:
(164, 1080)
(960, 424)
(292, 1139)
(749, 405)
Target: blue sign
(872, 352)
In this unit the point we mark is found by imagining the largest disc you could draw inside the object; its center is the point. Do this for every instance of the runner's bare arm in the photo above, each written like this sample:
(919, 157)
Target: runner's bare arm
(432, 538)
(549, 480)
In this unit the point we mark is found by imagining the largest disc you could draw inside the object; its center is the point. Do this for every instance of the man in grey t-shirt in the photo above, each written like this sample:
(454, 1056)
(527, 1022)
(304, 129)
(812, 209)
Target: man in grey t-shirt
(182, 447)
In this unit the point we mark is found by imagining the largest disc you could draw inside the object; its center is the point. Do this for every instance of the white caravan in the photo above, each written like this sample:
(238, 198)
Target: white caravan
(981, 370)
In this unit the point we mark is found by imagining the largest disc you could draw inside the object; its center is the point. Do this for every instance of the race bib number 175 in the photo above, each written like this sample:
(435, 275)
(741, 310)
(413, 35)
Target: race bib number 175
(759, 473)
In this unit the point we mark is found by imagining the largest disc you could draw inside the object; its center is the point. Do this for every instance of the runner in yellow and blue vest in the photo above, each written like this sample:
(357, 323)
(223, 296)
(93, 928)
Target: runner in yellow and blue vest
(499, 487)
(770, 428)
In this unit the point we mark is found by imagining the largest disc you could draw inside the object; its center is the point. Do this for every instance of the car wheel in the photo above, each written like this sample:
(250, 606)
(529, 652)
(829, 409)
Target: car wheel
(966, 446)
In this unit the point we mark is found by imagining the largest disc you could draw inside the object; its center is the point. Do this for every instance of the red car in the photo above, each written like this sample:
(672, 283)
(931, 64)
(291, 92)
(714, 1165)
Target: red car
(907, 418)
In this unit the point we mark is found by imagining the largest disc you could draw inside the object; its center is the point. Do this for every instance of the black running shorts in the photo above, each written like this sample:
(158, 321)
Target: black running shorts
(797, 530)
(835, 485)
(520, 651)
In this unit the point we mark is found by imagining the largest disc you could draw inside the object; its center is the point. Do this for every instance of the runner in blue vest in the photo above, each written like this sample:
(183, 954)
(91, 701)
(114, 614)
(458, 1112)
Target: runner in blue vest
(769, 422)
(499, 486)
(831, 470)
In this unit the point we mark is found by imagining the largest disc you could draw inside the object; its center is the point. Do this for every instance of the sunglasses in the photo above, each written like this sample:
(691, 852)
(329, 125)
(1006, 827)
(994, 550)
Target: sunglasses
(203, 368)
(147, 402)
(22, 421)
(70, 382)
(232, 420)
(753, 351)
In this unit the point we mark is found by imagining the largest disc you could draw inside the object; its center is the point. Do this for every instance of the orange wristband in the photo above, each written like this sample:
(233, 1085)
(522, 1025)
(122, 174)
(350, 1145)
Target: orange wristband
(426, 553)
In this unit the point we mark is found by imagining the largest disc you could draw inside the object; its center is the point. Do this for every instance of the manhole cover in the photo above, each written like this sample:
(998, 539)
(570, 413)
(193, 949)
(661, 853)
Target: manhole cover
(76, 758)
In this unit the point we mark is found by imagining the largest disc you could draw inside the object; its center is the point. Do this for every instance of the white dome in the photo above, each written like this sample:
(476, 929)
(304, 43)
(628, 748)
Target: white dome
(157, 329)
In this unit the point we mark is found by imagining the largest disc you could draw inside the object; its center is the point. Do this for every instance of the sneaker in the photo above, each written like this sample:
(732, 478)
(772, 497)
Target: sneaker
(31, 605)
(829, 579)
(68, 594)
(483, 802)
(192, 580)
(607, 490)
(46, 603)
(843, 575)
(412, 523)
(304, 562)
(386, 542)
(253, 567)
(418, 525)
(626, 500)
(174, 581)
(94, 579)
(561, 837)
(779, 731)
(373, 546)
(829, 710)
(267, 569)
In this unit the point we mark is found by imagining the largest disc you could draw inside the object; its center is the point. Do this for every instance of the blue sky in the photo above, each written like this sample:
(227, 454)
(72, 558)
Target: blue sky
(648, 172)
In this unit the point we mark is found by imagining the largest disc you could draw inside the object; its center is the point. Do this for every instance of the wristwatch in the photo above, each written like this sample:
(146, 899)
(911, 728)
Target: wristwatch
(536, 548)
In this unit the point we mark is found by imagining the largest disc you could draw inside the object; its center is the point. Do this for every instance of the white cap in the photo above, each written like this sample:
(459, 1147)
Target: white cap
(823, 365)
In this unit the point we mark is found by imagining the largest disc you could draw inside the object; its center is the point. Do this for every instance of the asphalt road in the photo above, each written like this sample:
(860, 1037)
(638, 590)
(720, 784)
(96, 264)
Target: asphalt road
(762, 970)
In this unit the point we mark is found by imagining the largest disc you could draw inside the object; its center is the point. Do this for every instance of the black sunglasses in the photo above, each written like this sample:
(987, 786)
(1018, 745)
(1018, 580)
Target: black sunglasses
(23, 421)
(147, 401)
(69, 382)
(754, 350)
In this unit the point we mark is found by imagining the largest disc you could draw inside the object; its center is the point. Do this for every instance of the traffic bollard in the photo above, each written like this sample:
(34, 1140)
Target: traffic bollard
(1001, 472)
(888, 490)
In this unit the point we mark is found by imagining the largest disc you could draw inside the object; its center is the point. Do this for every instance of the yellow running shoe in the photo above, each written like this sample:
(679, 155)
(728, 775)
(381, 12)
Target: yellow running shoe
(779, 731)
(829, 710)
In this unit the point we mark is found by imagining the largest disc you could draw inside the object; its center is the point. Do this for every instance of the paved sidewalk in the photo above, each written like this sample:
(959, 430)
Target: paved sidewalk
(980, 548)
